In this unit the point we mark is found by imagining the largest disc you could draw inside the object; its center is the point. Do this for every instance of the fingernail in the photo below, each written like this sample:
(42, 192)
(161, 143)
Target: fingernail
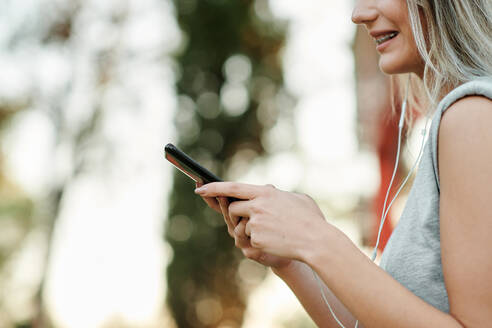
(200, 190)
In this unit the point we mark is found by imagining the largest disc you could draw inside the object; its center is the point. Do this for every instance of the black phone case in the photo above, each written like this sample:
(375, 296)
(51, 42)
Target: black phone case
(189, 166)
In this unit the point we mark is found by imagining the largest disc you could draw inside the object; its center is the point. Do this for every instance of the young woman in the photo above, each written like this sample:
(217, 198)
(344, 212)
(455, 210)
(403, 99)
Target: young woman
(436, 268)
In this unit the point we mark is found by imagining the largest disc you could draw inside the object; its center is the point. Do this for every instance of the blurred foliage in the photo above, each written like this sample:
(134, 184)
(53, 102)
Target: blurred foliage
(49, 29)
(16, 208)
(229, 77)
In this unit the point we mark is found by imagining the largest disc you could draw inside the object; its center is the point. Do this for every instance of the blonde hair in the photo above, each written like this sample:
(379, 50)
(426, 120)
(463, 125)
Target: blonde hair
(454, 38)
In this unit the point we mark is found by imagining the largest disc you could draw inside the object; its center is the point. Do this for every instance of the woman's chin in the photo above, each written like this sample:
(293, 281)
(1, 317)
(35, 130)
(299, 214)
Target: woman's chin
(390, 66)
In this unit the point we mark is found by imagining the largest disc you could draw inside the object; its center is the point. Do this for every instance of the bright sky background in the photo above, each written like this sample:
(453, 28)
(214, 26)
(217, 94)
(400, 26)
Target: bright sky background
(93, 278)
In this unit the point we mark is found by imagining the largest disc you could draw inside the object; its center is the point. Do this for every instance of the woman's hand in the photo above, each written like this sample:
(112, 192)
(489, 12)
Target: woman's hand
(237, 231)
(243, 241)
(220, 205)
(280, 223)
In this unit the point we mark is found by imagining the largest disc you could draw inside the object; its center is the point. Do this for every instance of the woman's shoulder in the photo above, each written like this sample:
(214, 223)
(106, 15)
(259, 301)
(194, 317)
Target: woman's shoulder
(467, 106)
(480, 87)
(468, 117)
(464, 143)
(463, 115)
(464, 107)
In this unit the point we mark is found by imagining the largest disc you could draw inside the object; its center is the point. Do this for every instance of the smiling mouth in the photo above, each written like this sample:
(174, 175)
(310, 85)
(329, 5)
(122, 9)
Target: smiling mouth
(386, 38)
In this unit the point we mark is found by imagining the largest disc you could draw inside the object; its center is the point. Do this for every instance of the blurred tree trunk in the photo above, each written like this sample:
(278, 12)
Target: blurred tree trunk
(229, 74)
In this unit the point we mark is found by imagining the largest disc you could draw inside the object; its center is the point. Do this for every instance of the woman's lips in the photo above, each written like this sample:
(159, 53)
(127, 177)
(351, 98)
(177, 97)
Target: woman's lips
(384, 41)
(386, 37)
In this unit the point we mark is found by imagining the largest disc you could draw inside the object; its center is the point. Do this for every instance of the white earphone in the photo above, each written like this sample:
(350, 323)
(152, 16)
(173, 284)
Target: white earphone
(385, 210)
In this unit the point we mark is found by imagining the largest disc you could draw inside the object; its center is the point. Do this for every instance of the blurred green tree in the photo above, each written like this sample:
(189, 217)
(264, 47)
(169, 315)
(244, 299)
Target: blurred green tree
(230, 77)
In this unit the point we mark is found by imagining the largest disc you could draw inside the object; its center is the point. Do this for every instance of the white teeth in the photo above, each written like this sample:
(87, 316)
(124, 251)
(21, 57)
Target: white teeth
(386, 38)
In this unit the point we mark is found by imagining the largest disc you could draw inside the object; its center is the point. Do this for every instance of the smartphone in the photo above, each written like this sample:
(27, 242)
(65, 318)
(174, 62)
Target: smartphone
(189, 166)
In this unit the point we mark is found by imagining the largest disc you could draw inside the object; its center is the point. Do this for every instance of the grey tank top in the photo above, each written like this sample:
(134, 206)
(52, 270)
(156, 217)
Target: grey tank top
(413, 253)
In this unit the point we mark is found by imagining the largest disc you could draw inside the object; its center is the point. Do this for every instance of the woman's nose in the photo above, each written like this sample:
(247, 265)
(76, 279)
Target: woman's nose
(364, 12)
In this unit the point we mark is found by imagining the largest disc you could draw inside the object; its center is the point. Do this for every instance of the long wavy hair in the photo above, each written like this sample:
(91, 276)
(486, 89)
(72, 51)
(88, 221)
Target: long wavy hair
(454, 38)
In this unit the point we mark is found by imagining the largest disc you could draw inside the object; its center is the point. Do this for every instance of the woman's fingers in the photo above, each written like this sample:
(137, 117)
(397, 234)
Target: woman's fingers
(234, 215)
(224, 207)
(231, 189)
(238, 210)
(211, 201)
(247, 231)
(213, 204)
(235, 219)
(240, 237)
(252, 253)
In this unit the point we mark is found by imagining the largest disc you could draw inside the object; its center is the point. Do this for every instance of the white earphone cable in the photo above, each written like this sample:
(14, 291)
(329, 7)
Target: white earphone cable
(320, 285)
(400, 129)
(424, 131)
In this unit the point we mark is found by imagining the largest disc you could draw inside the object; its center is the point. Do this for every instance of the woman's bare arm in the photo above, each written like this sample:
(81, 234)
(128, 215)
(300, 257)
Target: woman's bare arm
(465, 170)
(299, 277)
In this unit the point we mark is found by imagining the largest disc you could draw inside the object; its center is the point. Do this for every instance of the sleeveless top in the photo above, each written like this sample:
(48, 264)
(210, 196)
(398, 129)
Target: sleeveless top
(413, 254)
